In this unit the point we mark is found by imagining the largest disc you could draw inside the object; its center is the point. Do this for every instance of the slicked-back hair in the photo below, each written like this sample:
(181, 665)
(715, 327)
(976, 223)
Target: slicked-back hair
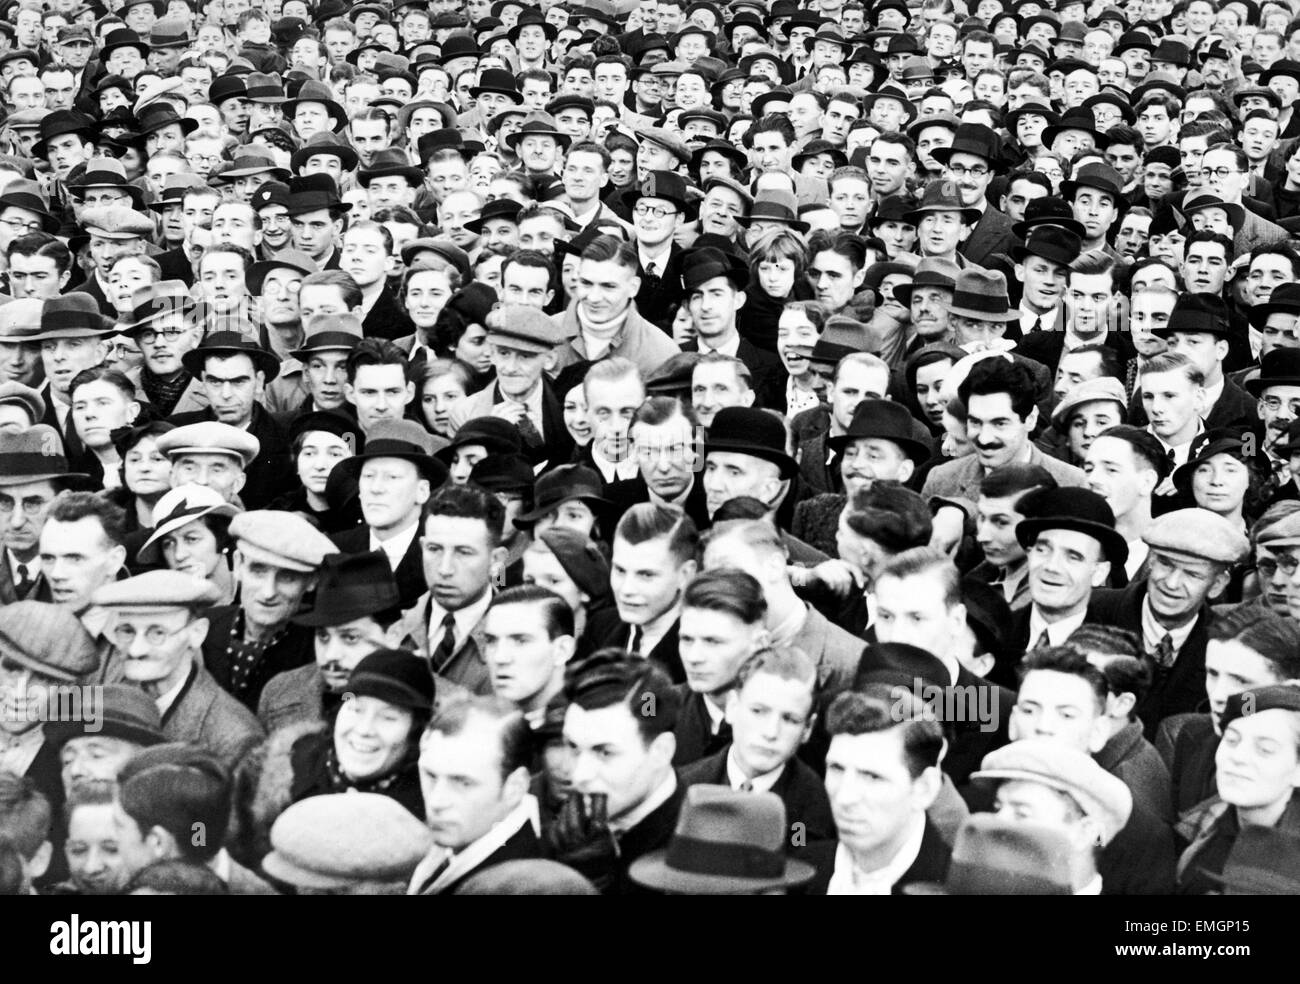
(464, 502)
(1128, 669)
(348, 289)
(516, 744)
(70, 507)
(1172, 362)
(846, 244)
(379, 352)
(919, 561)
(658, 410)
(1283, 250)
(609, 677)
(990, 376)
(530, 258)
(614, 367)
(782, 662)
(728, 590)
(878, 707)
(1210, 236)
(1092, 263)
(103, 373)
(1147, 449)
(1068, 660)
(174, 786)
(556, 613)
(890, 515)
(647, 521)
(1107, 359)
(772, 123)
(1275, 638)
(757, 533)
(42, 244)
(605, 248)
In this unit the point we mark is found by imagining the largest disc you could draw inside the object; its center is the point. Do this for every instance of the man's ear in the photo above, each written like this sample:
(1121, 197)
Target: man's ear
(859, 277)
(198, 630)
(740, 295)
(515, 787)
(1101, 575)
(905, 471)
(664, 746)
(1031, 421)
(40, 861)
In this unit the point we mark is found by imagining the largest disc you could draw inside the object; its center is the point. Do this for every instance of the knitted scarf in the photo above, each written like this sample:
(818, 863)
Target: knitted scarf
(598, 336)
(164, 393)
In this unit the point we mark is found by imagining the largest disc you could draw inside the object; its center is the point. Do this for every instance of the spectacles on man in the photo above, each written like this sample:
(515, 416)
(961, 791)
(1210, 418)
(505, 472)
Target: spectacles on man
(1268, 565)
(20, 227)
(150, 335)
(658, 211)
(962, 171)
(31, 505)
(1218, 172)
(124, 634)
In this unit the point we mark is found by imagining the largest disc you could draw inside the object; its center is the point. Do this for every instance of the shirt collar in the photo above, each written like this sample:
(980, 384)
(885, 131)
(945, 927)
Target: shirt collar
(395, 546)
(165, 701)
(662, 794)
(762, 783)
(848, 879)
(1057, 632)
(1153, 631)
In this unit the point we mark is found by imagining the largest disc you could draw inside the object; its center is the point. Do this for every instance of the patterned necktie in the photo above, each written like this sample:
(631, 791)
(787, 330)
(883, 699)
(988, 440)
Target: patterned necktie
(447, 644)
(527, 430)
(1165, 652)
(1044, 640)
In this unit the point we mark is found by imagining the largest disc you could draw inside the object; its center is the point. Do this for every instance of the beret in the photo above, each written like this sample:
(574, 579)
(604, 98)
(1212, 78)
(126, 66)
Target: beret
(338, 839)
(1277, 697)
(157, 589)
(25, 397)
(116, 222)
(524, 327)
(283, 539)
(1100, 795)
(210, 437)
(580, 558)
(48, 639)
(1197, 533)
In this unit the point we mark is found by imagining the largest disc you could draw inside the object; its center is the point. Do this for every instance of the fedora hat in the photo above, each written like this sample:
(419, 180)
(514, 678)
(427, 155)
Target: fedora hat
(889, 91)
(105, 172)
(1013, 118)
(942, 196)
(1074, 119)
(498, 208)
(352, 586)
(812, 149)
(1100, 176)
(313, 192)
(973, 138)
(227, 343)
(562, 485)
(1081, 510)
(1112, 98)
(155, 116)
(768, 207)
(981, 295)
(706, 263)
(63, 121)
(538, 124)
(26, 195)
(325, 143)
(532, 17)
(497, 436)
(1197, 313)
(747, 430)
(317, 92)
(882, 420)
(179, 507)
(74, 315)
(993, 856)
(1280, 367)
(125, 712)
(156, 301)
(392, 162)
(248, 163)
(1101, 388)
(403, 439)
(726, 842)
(1171, 52)
(293, 259)
(932, 271)
(33, 455)
(1060, 246)
(1285, 299)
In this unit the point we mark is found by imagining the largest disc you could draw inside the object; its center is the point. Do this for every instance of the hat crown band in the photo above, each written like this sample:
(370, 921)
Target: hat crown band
(723, 858)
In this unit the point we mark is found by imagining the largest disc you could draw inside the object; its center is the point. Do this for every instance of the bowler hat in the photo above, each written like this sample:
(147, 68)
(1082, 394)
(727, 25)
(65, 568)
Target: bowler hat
(747, 430)
(758, 106)
(403, 439)
(1013, 118)
(497, 80)
(1074, 119)
(1280, 367)
(317, 92)
(1285, 299)
(228, 343)
(397, 676)
(314, 192)
(1059, 246)
(703, 265)
(882, 420)
(1069, 508)
(352, 586)
(976, 139)
(726, 842)
(392, 162)
(1197, 313)
(1048, 211)
(658, 184)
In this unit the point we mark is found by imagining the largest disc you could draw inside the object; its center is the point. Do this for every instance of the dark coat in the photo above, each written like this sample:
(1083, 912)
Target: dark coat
(651, 834)
(664, 653)
(1132, 758)
(992, 234)
(660, 293)
(816, 521)
(1179, 689)
(931, 864)
(694, 732)
(766, 369)
(46, 774)
(1048, 346)
(522, 845)
(73, 448)
(176, 266)
(311, 774)
(386, 319)
(292, 697)
(1234, 407)
(409, 573)
(271, 474)
(625, 493)
(37, 590)
(971, 742)
(1141, 858)
(1188, 744)
(295, 648)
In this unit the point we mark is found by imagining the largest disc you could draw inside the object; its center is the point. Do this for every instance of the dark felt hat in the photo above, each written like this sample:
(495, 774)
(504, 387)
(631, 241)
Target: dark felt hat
(747, 430)
(352, 586)
(1081, 510)
(882, 420)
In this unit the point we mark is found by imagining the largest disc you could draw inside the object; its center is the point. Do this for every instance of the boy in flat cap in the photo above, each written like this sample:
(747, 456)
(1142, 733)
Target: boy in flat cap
(278, 556)
(159, 627)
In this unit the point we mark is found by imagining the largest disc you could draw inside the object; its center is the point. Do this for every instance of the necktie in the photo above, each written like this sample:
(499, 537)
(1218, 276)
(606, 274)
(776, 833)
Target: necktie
(1037, 325)
(447, 644)
(1044, 640)
(528, 432)
(650, 269)
(1165, 652)
(24, 582)
(634, 640)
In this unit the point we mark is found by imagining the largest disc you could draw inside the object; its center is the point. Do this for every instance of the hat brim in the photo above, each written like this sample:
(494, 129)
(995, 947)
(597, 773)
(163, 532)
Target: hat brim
(432, 469)
(796, 224)
(563, 139)
(263, 361)
(260, 555)
(1113, 545)
(23, 478)
(789, 467)
(533, 515)
(914, 449)
(346, 155)
(969, 216)
(273, 173)
(282, 869)
(653, 872)
(412, 174)
(60, 733)
(151, 551)
(1256, 387)
(36, 666)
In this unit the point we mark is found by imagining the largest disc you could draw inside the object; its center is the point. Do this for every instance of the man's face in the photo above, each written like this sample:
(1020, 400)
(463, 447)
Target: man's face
(856, 382)
(94, 758)
(1096, 210)
(233, 385)
(713, 646)
(147, 662)
(522, 658)
(646, 579)
(391, 492)
(63, 358)
(1205, 350)
(379, 392)
(1267, 271)
(1277, 407)
(458, 559)
(850, 199)
(315, 300)
(1064, 567)
(540, 233)
(98, 408)
(1044, 281)
(76, 559)
(889, 165)
(913, 611)
(719, 210)
(1113, 473)
(1178, 585)
(666, 456)
(526, 285)
(972, 175)
(605, 288)
(610, 758)
(65, 152)
(1222, 175)
(770, 718)
(465, 795)
(1060, 707)
(1259, 137)
(325, 374)
(995, 530)
(369, 137)
(834, 278)
(837, 119)
(315, 233)
(871, 790)
(584, 176)
(23, 507)
(997, 432)
(365, 256)
(713, 306)
(217, 471)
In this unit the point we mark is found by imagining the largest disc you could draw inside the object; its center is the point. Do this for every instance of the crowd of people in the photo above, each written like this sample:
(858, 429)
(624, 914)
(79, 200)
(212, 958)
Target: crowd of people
(624, 446)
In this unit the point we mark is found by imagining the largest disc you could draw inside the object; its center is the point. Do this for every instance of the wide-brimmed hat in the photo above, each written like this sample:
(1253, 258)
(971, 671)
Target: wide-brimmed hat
(884, 420)
(179, 507)
(889, 91)
(1280, 367)
(1197, 313)
(105, 172)
(248, 163)
(26, 195)
(562, 485)
(63, 121)
(498, 208)
(748, 430)
(325, 142)
(973, 138)
(994, 856)
(726, 842)
(392, 162)
(317, 92)
(313, 192)
(1100, 176)
(932, 271)
(532, 17)
(942, 196)
(352, 586)
(658, 184)
(33, 455)
(771, 206)
(1081, 510)
(227, 343)
(982, 296)
(706, 263)
(74, 315)
(404, 439)
(158, 300)
(538, 124)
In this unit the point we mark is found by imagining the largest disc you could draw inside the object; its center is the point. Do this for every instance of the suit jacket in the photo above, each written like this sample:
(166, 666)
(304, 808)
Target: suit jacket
(91, 286)
(664, 653)
(931, 864)
(205, 715)
(523, 845)
(1256, 230)
(176, 266)
(1187, 743)
(1179, 689)
(694, 731)
(661, 291)
(625, 493)
(465, 669)
(409, 573)
(767, 372)
(296, 647)
(801, 790)
(651, 834)
(836, 652)
(292, 697)
(1048, 346)
(192, 398)
(1141, 859)
(386, 319)
(72, 444)
(271, 474)
(557, 442)
(992, 234)
(1134, 759)
(959, 480)
(37, 590)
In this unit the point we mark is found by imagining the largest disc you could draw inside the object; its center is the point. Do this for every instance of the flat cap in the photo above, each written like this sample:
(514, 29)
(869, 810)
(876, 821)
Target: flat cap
(1100, 795)
(25, 397)
(210, 437)
(19, 317)
(283, 539)
(1197, 533)
(157, 590)
(116, 222)
(667, 140)
(1284, 533)
(47, 639)
(1275, 697)
(523, 326)
(1088, 391)
(339, 839)
(125, 712)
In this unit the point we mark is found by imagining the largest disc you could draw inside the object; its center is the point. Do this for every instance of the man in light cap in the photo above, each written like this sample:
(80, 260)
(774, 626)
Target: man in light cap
(114, 230)
(212, 454)
(522, 343)
(159, 628)
(277, 283)
(1051, 784)
(20, 359)
(1190, 554)
(278, 555)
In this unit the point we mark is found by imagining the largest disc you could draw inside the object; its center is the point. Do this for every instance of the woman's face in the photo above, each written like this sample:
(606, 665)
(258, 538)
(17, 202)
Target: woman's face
(795, 338)
(955, 442)
(192, 549)
(427, 293)
(622, 166)
(776, 276)
(473, 348)
(576, 421)
(95, 858)
(370, 737)
(439, 395)
(147, 470)
(1257, 763)
(569, 275)
(321, 451)
(543, 569)
(1220, 484)
(488, 272)
(572, 515)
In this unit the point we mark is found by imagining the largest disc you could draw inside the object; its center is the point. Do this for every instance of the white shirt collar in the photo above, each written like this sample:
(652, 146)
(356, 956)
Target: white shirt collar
(395, 546)
(1092, 888)
(1045, 322)
(1057, 632)
(465, 619)
(460, 863)
(165, 701)
(717, 716)
(848, 880)
(1137, 553)
(730, 347)
(611, 471)
(1153, 631)
(759, 784)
